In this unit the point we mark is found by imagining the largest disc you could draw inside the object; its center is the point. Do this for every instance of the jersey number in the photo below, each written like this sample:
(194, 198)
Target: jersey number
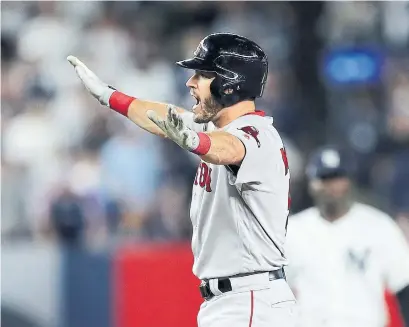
(285, 161)
(203, 177)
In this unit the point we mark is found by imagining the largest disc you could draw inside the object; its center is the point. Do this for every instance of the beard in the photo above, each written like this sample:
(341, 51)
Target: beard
(210, 108)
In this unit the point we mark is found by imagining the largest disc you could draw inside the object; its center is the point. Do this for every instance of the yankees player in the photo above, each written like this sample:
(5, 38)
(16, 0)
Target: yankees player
(343, 254)
(239, 206)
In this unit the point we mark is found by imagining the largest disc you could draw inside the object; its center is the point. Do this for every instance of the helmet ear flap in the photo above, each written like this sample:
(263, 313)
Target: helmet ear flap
(226, 94)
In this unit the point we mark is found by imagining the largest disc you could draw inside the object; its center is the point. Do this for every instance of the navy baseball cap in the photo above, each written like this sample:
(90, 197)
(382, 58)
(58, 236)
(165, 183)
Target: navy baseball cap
(328, 162)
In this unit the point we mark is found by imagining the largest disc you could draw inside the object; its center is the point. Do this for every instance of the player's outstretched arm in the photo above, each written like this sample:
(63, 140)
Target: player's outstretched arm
(220, 148)
(134, 109)
(225, 149)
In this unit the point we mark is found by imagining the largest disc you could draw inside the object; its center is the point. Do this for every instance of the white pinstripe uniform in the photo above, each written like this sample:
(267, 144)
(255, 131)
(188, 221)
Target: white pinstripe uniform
(339, 270)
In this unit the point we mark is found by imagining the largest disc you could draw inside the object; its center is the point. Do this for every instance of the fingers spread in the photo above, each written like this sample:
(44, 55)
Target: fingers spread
(169, 115)
(175, 120)
(174, 117)
(181, 125)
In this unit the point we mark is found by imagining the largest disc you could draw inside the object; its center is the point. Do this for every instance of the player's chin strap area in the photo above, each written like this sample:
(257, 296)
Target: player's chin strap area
(210, 288)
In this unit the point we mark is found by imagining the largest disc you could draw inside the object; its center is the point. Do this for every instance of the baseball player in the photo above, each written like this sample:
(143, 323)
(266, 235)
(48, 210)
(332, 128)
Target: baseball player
(239, 206)
(343, 254)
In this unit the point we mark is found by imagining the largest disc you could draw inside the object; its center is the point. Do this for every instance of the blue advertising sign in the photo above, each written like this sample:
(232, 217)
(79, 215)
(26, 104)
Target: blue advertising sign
(352, 66)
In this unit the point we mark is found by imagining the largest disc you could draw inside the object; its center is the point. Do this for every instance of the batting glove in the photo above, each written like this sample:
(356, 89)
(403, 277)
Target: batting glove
(175, 129)
(101, 91)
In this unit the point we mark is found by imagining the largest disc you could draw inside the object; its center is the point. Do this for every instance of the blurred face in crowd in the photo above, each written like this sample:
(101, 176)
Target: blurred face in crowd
(206, 107)
(332, 196)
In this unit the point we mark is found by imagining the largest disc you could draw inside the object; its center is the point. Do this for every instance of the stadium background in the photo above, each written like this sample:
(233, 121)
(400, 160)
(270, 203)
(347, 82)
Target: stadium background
(94, 221)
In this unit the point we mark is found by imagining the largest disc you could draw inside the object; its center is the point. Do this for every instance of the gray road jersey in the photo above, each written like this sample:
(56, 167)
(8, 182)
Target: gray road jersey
(239, 218)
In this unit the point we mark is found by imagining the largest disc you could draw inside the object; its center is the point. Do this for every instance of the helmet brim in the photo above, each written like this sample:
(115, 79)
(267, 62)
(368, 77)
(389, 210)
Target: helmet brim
(195, 64)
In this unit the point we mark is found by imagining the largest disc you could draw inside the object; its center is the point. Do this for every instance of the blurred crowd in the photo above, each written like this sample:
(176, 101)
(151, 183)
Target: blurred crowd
(74, 170)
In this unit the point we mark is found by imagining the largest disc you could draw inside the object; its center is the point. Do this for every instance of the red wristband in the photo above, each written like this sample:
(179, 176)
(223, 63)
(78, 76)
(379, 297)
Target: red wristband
(204, 144)
(120, 102)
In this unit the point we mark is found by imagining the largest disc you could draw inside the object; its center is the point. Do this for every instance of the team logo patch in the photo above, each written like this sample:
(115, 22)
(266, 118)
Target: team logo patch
(253, 132)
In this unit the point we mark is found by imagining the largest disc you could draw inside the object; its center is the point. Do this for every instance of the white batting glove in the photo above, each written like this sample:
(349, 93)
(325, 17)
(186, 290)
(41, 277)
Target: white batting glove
(174, 127)
(101, 91)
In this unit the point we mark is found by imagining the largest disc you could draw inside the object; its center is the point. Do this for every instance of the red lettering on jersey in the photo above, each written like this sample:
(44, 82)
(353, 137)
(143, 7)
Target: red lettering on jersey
(285, 160)
(204, 170)
(209, 180)
(197, 173)
(203, 177)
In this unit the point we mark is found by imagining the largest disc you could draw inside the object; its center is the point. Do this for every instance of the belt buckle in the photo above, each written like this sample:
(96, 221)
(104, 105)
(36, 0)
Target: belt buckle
(205, 291)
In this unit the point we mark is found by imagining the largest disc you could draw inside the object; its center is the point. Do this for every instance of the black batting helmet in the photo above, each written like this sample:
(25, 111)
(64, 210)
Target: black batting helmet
(240, 65)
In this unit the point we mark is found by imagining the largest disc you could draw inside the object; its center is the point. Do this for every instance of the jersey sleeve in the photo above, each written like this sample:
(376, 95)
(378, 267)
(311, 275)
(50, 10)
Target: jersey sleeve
(263, 155)
(187, 118)
(394, 256)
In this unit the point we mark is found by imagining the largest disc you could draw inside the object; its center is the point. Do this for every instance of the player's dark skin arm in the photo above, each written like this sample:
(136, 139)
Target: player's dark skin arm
(403, 299)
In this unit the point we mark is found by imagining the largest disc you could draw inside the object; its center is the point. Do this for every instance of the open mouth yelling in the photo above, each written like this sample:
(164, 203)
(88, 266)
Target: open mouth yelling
(197, 101)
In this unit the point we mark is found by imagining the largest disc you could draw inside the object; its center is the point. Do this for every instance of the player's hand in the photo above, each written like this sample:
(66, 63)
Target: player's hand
(175, 129)
(92, 83)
